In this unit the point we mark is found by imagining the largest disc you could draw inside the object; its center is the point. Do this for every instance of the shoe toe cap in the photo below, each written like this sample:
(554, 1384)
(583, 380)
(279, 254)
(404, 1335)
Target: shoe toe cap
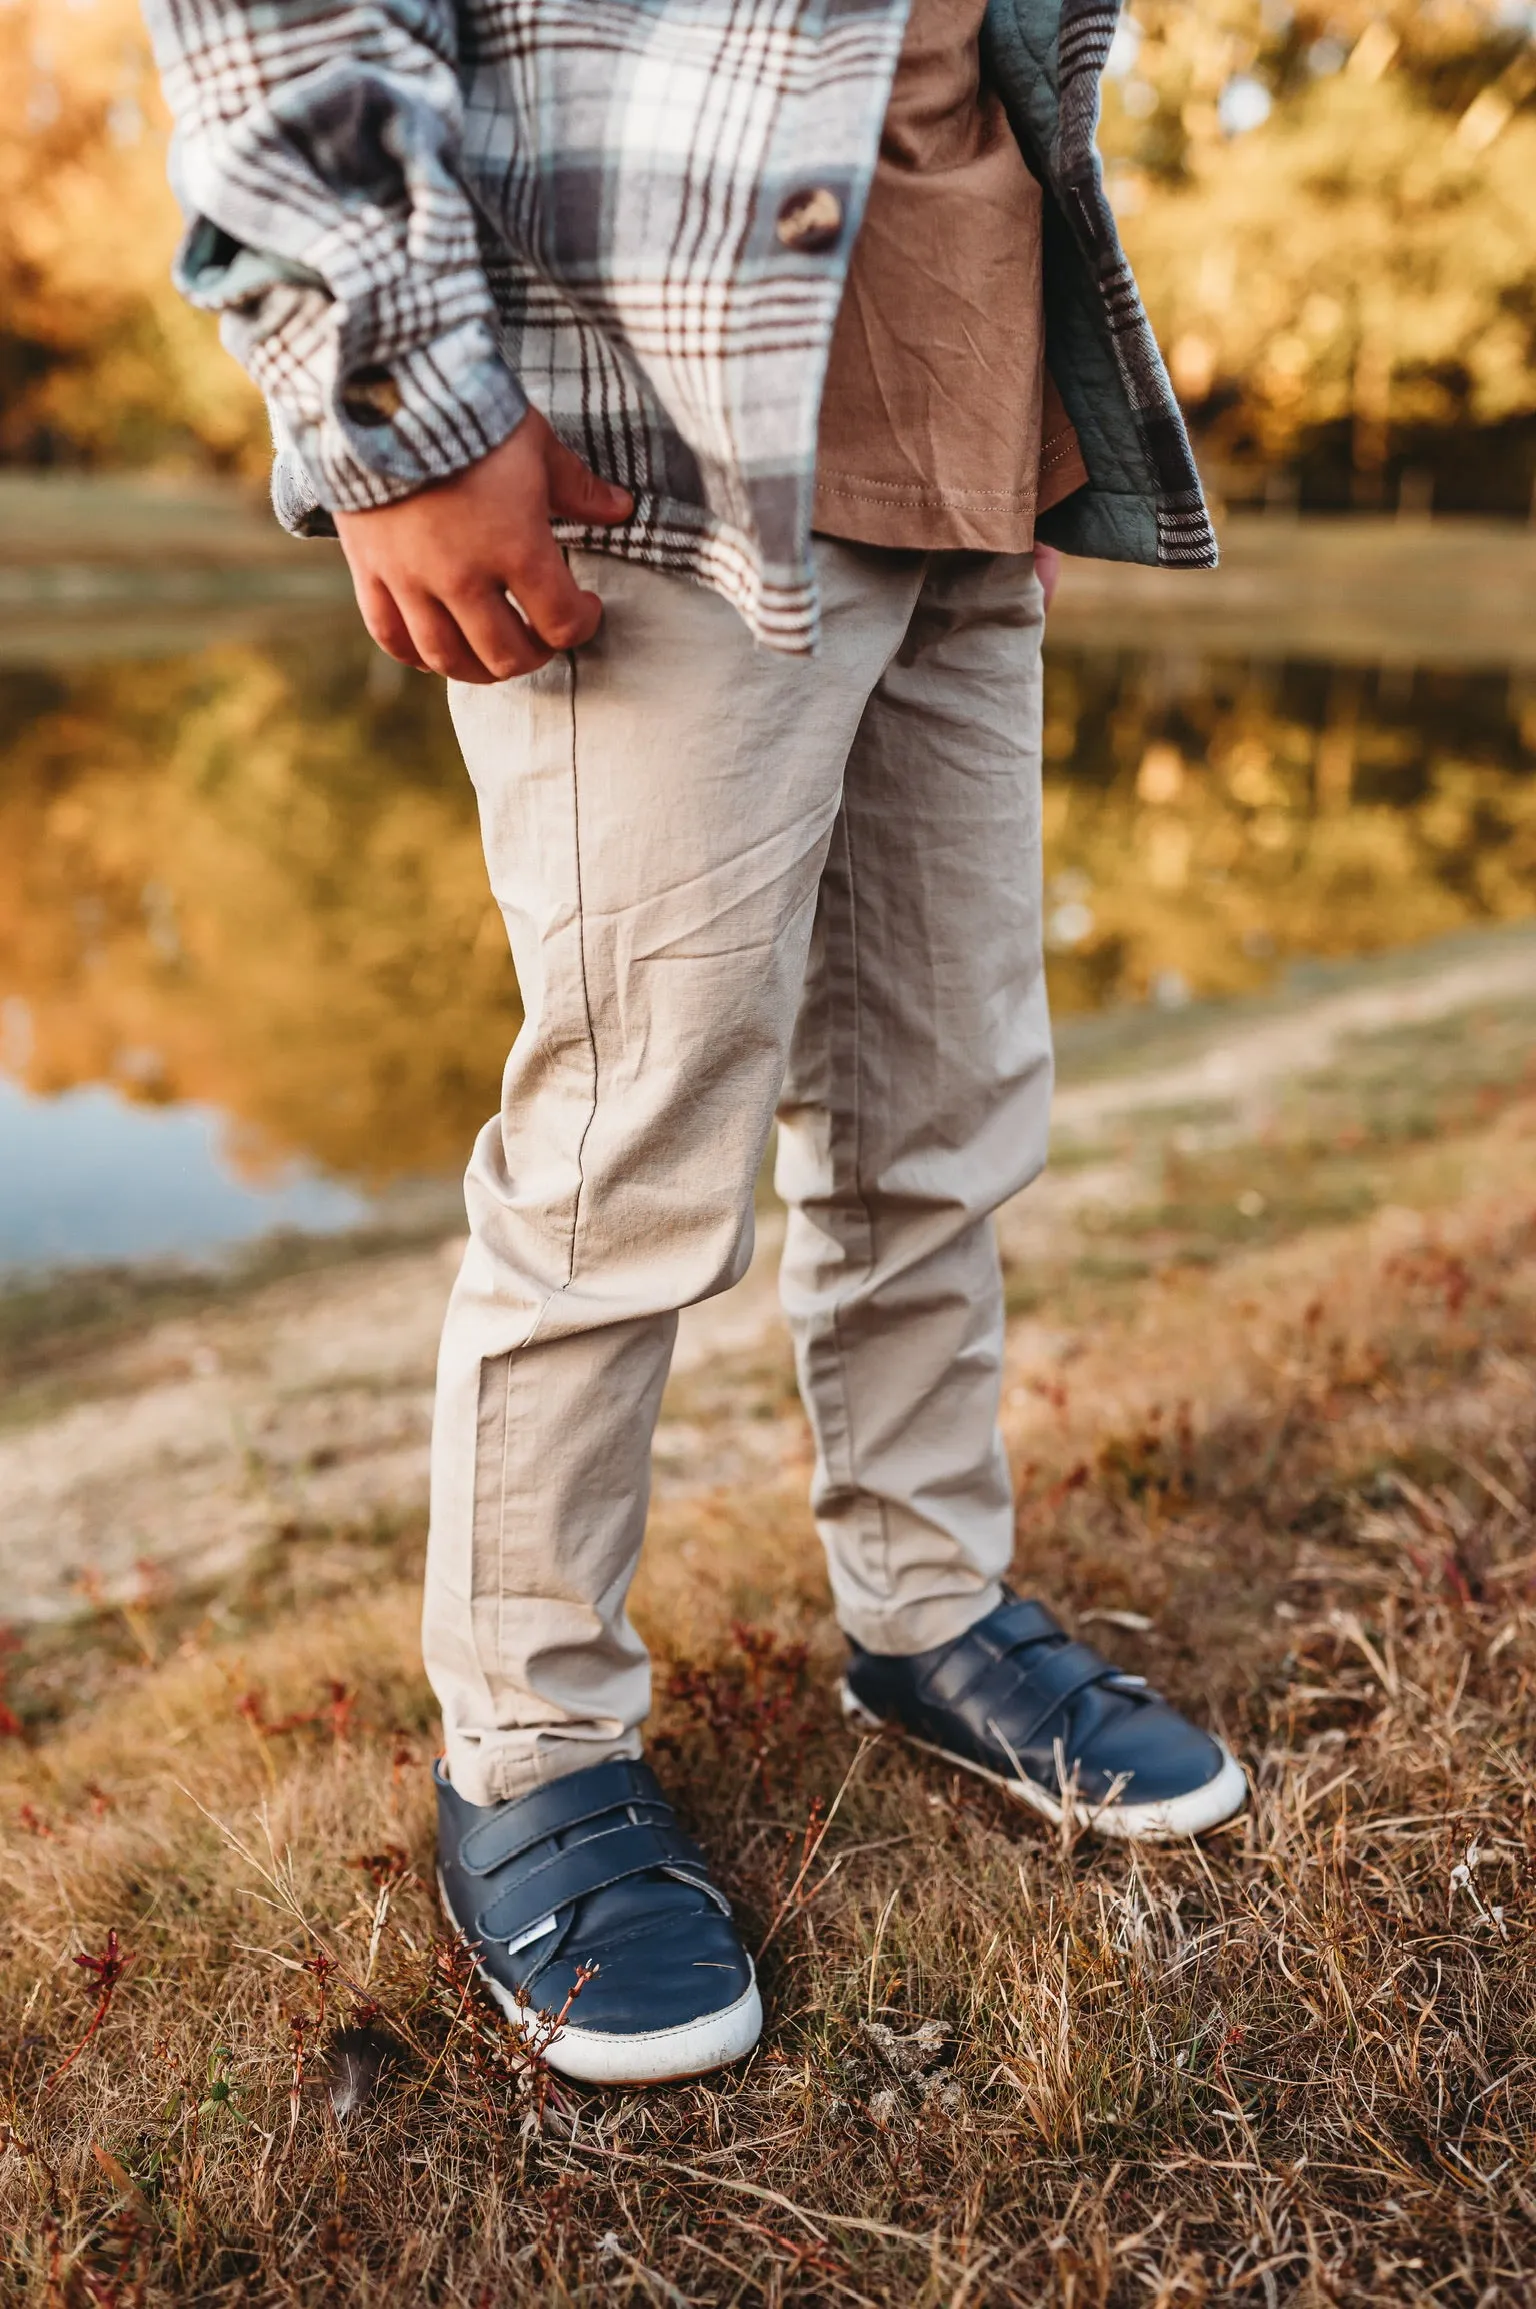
(655, 1981)
(1157, 1752)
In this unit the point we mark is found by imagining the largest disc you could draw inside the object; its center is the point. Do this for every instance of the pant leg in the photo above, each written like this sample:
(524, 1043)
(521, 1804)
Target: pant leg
(656, 810)
(917, 1100)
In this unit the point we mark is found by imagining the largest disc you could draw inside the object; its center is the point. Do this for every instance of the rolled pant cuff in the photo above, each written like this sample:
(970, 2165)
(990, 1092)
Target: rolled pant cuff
(900, 1630)
(496, 1768)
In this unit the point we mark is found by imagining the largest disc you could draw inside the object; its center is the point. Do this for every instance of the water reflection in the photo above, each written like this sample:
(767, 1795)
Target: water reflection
(250, 879)
(91, 1178)
(247, 880)
(1208, 820)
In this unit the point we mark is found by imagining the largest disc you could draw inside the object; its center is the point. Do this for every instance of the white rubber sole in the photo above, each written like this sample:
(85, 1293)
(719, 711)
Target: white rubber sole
(656, 2056)
(1175, 1816)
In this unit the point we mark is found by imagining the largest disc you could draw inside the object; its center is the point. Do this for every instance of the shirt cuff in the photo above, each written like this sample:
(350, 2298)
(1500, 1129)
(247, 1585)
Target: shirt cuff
(391, 427)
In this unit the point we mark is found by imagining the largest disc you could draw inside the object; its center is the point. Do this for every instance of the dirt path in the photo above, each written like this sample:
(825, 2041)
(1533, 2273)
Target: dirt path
(308, 1402)
(1242, 1064)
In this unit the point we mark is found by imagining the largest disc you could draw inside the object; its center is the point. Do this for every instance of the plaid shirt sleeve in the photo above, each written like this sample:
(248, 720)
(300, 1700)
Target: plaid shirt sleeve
(315, 156)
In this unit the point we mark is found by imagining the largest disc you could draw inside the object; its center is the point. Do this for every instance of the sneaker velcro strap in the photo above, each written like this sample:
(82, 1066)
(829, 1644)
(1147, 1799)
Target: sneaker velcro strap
(1053, 1679)
(565, 1803)
(1020, 1621)
(963, 1664)
(597, 1861)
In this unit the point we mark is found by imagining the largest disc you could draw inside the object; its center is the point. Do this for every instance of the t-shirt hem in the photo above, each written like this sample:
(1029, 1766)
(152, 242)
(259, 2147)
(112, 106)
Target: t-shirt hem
(898, 493)
(932, 526)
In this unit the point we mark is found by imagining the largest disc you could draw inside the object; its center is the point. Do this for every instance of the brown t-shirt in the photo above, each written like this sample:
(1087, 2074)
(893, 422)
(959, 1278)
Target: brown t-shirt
(939, 425)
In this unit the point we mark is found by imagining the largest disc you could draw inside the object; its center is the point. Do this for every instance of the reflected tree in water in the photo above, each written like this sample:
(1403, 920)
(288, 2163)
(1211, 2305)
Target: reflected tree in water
(253, 877)
(1208, 821)
(256, 880)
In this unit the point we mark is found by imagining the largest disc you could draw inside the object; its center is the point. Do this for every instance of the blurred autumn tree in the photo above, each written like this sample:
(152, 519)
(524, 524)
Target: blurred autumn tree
(1333, 210)
(1333, 213)
(100, 361)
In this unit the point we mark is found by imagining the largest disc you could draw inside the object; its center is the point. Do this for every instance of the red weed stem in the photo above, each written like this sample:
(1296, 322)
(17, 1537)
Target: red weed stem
(107, 1971)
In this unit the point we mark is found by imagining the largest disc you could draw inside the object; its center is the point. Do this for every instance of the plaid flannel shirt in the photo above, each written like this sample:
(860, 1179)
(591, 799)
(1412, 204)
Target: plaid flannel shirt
(417, 217)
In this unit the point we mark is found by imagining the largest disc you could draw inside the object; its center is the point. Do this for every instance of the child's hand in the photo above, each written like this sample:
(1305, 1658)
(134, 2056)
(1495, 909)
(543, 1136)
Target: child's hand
(433, 572)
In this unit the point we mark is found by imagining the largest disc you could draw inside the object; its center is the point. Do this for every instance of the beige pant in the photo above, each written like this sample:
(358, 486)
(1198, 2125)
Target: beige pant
(735, 881)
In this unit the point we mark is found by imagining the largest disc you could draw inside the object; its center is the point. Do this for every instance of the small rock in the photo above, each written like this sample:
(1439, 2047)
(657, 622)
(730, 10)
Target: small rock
(912, 2055)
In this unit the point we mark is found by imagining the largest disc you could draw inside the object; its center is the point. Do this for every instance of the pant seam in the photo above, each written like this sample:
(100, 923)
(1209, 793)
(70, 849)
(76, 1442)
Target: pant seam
(868, 1243)
(508, 1358)
(501, 1510)
(860, 1184)
(586, 998)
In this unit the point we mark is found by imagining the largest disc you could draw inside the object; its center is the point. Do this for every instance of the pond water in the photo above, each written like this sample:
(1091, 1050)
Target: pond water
(92, 1176)
(250, 975)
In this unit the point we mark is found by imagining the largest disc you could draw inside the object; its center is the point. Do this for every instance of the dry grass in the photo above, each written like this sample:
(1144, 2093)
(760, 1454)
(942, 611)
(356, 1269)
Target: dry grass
(1293, 2065)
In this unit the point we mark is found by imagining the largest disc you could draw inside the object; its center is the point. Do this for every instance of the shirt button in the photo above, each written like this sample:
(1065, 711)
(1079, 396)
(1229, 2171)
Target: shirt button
(810, 221)
(371, 397)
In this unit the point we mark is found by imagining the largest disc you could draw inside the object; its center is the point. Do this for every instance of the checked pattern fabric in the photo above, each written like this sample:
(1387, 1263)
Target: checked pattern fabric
(417, 217)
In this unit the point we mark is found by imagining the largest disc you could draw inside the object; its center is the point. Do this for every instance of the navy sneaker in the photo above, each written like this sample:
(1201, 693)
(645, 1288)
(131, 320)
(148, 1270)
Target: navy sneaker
(593, 1870)
(1017, 1701)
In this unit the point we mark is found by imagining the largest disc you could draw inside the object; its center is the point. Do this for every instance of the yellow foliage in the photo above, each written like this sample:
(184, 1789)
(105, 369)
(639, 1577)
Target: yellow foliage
(1366, 251)
(99, 358)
